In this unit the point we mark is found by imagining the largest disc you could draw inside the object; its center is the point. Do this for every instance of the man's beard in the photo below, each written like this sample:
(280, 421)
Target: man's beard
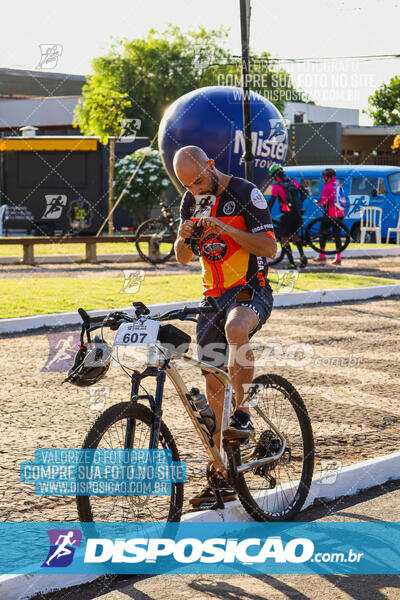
(214, 183)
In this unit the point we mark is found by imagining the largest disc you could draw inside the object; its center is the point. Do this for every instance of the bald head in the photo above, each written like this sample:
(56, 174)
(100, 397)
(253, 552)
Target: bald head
(195, 170)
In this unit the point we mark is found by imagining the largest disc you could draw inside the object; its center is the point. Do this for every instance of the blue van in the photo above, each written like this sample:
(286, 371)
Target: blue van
(363, 185)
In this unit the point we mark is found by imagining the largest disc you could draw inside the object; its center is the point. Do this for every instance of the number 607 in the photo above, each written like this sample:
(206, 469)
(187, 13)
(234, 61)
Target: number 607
(133, 338)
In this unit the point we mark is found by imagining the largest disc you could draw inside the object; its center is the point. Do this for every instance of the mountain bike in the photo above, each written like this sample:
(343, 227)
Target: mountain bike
(271, 472)
(155, 237)
(310, 235)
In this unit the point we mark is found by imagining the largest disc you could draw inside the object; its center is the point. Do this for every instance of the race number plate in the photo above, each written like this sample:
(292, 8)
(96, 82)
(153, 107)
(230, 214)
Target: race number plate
(142, 333)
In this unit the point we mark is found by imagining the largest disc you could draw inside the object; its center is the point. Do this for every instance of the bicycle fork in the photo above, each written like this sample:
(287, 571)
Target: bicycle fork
(155, 405)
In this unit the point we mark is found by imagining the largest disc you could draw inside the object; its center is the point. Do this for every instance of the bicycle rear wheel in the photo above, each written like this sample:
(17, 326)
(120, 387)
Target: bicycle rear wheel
(155, 240)
(312, 235)
(108, 432)
(277, 490)
(280, 253)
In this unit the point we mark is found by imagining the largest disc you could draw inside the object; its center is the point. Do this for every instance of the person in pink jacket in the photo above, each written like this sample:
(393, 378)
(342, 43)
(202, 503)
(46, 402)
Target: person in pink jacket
(332, 200)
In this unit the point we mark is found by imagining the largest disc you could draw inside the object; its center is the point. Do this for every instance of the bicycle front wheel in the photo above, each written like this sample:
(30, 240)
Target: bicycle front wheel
(155, 240)
(108, 432)
(275, 491)
(336, 234)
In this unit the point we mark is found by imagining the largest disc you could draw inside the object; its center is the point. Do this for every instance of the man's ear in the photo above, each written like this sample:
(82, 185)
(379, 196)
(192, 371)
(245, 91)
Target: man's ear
(210, 163)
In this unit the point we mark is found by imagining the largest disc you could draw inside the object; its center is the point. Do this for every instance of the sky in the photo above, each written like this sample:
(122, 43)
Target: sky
(286, 29)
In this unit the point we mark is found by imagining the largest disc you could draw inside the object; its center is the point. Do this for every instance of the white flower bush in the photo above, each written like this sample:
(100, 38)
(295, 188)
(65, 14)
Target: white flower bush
(147, 188)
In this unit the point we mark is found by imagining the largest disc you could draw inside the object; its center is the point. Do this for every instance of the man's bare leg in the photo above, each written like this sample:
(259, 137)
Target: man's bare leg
(240, 322)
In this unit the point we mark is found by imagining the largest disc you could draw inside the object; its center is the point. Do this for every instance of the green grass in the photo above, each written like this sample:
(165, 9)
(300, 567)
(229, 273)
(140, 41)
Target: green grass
(326, 281)
(23, 297)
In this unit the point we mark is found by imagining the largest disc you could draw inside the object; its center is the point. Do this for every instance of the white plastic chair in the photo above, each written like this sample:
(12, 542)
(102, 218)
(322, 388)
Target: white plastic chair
(396, 230)
(371, 220)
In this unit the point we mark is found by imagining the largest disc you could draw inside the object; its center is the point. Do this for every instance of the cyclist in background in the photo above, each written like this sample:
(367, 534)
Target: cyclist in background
(333, 202)
(290, 195)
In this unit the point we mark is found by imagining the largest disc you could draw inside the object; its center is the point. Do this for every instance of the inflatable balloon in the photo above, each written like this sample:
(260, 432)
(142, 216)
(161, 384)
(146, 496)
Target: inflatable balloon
(211, 117)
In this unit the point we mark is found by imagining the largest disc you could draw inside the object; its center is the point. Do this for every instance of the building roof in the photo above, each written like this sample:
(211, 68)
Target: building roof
(371, 130)
(18, 82)
(39, 112)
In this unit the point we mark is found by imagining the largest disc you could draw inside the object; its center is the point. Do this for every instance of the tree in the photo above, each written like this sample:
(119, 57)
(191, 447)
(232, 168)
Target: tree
(147, 187)
(267, 79)
(138, 79)
(156, 70)
(384, 104)
(396, 143)
(101, 113)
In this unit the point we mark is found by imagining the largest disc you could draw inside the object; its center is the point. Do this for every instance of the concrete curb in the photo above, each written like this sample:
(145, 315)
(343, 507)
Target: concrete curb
(356, 252)
(61, 259)
(335, 295)
(21, 587)
(348, 482)
(23, 324)
(72, 318)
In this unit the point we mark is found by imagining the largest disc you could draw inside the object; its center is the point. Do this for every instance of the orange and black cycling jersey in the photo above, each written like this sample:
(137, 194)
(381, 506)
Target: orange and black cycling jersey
(225, 263)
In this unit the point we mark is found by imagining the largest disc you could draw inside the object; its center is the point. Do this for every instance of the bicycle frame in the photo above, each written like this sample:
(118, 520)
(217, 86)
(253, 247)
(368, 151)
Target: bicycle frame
(218, 456)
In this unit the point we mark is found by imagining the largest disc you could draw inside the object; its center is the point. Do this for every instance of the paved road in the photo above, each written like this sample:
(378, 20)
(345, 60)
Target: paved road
(378, 504)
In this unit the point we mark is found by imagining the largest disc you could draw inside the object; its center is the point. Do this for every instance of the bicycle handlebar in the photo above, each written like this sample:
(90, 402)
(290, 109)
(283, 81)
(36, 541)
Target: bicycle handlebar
(114, 319)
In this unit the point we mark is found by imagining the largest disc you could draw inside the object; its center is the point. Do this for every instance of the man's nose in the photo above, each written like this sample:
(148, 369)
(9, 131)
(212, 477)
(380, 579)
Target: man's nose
(195, 189)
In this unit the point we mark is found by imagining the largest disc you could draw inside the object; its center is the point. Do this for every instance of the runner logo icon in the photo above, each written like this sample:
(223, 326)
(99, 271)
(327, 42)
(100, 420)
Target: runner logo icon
(63, 543)
(54, 206)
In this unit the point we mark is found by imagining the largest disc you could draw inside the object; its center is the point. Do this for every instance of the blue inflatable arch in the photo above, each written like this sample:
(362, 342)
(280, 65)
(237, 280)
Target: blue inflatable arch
(211, 117)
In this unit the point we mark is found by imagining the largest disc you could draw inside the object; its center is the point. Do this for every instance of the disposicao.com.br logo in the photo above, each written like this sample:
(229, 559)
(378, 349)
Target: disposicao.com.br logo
(212, 550)
(190, 547)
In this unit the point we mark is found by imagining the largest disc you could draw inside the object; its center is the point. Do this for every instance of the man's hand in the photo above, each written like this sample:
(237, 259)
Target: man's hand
(214, 225)
(186, 229)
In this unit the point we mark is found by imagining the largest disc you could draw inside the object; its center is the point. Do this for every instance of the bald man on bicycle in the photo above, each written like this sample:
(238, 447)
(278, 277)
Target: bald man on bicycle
(235, 236)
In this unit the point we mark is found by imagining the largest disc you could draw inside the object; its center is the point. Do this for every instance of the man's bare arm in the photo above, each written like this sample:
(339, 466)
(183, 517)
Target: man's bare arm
(260, 243)
(183, 252)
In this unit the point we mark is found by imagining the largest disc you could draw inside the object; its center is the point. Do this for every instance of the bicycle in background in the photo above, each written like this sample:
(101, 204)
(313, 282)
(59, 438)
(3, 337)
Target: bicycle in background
(155, 237)
(310, 235)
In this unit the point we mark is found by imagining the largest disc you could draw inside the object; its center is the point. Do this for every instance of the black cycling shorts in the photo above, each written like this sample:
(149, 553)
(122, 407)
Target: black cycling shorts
(212, 345)
(289, 224)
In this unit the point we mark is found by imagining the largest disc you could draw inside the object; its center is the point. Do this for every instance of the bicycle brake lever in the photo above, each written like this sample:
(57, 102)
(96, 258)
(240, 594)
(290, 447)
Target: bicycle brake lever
(212, 302)
(116, 319)
(84, 316)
